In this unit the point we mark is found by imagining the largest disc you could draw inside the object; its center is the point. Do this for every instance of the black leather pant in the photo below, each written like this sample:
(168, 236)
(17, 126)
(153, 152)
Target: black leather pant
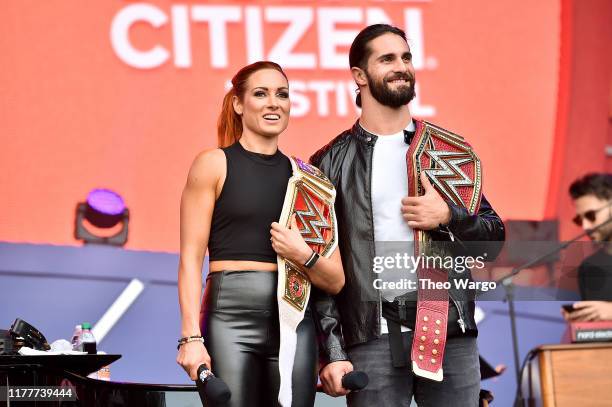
(241, 330)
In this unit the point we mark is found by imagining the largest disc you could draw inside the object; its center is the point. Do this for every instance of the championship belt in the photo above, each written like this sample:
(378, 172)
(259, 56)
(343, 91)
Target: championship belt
(310, 196)
(454, 170)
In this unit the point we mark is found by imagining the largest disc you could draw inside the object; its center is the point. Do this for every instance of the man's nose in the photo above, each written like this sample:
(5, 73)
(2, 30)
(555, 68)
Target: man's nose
(400, 66)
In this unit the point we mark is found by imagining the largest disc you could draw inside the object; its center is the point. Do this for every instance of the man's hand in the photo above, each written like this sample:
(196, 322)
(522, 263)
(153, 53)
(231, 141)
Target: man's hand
(331, 377)
(428, 211)
(590, 311)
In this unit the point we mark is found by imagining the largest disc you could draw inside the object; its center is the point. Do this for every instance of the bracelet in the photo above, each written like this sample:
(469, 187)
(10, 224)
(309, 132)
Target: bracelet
(312, 260)
(187, 339)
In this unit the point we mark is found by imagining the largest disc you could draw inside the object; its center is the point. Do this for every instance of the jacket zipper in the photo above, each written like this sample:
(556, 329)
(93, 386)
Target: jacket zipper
(370, 157)
(461, 322)
(445, 229)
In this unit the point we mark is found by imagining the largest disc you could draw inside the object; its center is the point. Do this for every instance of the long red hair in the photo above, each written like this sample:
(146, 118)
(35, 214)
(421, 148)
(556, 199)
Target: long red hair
(229, 124)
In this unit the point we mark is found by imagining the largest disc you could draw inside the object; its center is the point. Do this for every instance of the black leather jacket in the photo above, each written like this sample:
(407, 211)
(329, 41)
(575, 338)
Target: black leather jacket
(350, 318)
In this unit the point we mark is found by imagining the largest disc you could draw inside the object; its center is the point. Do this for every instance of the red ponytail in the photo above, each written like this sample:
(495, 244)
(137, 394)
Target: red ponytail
(229, 125)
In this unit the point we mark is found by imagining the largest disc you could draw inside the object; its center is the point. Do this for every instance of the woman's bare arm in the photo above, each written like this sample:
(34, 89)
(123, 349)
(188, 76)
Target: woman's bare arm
(203, 185)
(327, 273)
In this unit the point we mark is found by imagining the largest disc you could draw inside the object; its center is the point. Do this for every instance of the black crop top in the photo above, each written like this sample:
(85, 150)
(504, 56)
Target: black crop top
(251, 199)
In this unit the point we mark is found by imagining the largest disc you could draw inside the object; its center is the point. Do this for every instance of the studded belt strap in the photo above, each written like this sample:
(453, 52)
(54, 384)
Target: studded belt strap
(430, 328)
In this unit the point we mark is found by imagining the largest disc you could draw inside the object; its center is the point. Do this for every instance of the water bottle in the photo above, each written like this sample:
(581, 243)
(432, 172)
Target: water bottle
(88, 342)
(76, 337)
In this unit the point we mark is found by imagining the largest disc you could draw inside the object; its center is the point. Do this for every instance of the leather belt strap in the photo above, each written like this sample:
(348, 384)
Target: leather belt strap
(429, 340)
(310, 196)
(398, 353)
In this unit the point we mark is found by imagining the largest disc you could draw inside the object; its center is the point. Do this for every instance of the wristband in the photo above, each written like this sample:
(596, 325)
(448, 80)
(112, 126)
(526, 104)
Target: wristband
(312, 260)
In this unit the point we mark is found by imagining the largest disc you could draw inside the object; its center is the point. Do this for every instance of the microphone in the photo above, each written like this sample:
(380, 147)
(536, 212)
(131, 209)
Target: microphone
(355, 381)
(211, 387)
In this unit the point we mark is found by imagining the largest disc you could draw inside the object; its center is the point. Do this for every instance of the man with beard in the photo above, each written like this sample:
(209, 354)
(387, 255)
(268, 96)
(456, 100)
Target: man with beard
(408, 181)
(592, 196)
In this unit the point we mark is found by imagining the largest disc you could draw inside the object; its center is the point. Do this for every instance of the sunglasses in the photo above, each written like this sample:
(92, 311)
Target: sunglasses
(589, 215)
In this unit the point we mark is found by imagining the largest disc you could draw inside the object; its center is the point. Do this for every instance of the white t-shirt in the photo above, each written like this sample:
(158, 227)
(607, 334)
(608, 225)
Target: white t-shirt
(389, 186)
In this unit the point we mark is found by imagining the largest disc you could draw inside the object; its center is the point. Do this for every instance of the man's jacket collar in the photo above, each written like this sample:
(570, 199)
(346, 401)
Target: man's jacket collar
(368, 138)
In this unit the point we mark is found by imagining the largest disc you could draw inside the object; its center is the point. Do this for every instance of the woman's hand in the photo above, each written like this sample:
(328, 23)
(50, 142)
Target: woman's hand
(327, 273)
(191, 355)
(289, 243)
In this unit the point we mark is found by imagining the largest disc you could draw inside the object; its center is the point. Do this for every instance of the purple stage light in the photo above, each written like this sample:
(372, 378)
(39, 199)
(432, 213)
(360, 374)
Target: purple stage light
(105, 201)
(103, 209)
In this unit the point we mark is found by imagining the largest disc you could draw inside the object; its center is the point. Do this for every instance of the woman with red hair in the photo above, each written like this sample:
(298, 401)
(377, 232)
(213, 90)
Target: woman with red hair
(231, 205)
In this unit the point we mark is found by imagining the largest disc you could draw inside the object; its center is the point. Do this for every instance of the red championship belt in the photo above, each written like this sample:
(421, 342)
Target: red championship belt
(455, 171)
(310, 196)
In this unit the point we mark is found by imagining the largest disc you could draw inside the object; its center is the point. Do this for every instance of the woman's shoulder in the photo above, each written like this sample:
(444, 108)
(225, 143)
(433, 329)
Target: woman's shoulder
(209, 157)
(213, 154)
(208, 165)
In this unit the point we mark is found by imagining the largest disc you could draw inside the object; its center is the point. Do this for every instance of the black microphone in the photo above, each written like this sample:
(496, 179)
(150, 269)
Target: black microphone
(214, 389)
(355, 381)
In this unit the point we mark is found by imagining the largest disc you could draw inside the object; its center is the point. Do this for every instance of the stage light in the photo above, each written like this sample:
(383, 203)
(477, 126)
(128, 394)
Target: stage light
(104, 210)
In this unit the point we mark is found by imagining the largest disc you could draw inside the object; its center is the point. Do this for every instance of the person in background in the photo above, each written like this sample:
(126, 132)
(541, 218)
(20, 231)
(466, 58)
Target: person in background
(592, 199)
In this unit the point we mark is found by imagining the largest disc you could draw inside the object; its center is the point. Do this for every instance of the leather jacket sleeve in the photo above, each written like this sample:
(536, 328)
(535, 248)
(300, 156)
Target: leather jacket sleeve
(486, 228)
(323, 306)
(329, 331)
(486, 225)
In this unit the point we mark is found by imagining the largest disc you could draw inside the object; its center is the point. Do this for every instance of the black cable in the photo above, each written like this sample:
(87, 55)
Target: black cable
(518, 398)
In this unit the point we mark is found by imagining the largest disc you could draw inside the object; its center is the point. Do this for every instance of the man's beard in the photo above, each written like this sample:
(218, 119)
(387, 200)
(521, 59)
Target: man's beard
(603, 235)
(381, 91)
(606, 234)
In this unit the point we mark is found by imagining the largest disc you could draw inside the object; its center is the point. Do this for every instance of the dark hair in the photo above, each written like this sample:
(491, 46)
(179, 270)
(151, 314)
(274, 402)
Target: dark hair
(229, 124)
(360, 51)
(598, 184)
